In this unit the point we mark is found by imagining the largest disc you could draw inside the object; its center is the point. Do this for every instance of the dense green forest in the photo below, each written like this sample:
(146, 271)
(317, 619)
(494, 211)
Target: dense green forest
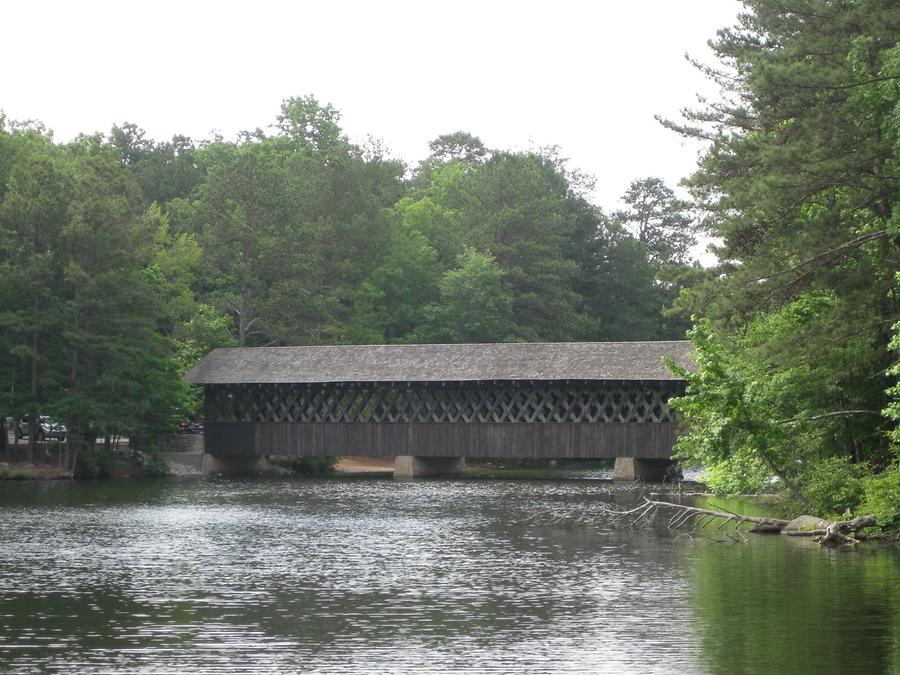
(801, 186)
(124, 259)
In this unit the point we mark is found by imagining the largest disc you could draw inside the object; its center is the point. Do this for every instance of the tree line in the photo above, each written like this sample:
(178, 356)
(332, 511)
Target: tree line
(796, 330)
(123, 259)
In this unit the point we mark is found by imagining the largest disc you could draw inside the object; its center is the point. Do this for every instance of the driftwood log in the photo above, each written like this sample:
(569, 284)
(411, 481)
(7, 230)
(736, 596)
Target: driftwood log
(837, 532)
(833, 533)
(693, 521)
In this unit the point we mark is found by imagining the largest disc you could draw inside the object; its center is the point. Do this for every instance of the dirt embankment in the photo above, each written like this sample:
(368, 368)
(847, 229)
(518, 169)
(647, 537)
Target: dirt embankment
(365, 465)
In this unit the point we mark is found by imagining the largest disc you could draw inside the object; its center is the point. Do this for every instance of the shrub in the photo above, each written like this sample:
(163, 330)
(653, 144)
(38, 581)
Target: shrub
(154, 467)
(834, 485)
(881, 496)
(99, 462)
(739, 474)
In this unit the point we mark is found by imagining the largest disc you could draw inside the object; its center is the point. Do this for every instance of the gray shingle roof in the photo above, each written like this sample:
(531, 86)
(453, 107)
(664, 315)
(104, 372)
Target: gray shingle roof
(437, 363)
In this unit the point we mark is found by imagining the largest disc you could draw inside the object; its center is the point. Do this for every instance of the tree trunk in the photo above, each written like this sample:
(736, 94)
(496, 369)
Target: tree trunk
(242, 320)
(73, 423)
(838, 532)
(74, 457)
(834, 533)
(794, 489)
(32, 417)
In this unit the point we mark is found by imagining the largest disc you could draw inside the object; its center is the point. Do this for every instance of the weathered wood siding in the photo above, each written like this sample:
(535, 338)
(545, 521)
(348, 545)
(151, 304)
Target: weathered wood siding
(538, 419)
(535, 440)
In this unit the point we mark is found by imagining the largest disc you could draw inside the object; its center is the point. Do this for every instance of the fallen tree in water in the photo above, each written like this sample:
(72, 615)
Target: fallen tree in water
(692, 520)
(825, 532)
(695, 521)
(839, 531)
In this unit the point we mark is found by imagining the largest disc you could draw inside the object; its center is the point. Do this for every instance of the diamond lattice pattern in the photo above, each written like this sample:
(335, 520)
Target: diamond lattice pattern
(587, 402)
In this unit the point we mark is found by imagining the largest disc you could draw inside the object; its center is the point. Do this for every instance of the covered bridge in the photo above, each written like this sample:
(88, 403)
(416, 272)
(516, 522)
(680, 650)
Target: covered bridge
(425, 402)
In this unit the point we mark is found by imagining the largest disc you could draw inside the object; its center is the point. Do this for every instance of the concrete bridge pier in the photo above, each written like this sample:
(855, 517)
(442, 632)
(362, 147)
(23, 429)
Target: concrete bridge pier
(410, 466)
(647, 470)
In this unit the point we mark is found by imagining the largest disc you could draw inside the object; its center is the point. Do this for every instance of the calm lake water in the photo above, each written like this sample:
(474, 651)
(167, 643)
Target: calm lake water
(373, 575)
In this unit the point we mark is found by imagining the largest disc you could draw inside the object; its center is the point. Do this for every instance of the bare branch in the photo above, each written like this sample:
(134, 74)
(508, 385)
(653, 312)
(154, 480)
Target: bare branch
(837, 87)
(830, 253)
(836, 413)
(692, 521)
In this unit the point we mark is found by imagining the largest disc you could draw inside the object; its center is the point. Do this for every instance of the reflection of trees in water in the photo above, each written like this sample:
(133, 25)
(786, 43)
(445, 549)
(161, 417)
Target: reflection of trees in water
(785, 606)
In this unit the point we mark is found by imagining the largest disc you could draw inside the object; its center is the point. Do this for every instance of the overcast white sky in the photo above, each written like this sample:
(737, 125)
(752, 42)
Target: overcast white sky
(586, 76)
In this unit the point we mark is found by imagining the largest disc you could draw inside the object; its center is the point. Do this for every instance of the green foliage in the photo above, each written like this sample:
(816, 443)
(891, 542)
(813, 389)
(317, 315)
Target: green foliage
(892, 409)
(391, 301)
(83, 303)
(729, 429)
(98, 462)
(206, 329)
(165, 171)
(312, 126)
(303, 237)
(751, 413)
(834, 485)
(659, 221)
(793, 352)
(881, 496)
(154, 467)
(740, 473)
(172, 268)
(474, 306)
(291, 226)
(124, 260)
(459, 146)
(519, 208)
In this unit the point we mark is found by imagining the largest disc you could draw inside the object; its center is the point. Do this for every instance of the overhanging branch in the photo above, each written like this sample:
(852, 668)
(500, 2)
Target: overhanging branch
(836, 413)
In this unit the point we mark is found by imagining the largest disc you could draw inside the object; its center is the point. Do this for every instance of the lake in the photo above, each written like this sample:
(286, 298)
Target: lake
(374, 575)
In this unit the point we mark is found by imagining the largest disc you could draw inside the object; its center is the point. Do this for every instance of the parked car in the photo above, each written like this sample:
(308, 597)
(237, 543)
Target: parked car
(190, 427)
(47, 429)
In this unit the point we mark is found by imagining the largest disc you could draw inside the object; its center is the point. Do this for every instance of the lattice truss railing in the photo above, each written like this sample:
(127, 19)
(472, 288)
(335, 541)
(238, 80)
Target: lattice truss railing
(587, 402)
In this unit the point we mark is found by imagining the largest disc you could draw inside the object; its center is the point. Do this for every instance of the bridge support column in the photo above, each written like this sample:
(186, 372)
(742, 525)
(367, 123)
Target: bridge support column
(648, 470)
(409, 466)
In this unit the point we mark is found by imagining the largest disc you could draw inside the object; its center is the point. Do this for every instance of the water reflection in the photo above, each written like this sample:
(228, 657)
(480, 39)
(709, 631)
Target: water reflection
(774, 606)
(378, 576)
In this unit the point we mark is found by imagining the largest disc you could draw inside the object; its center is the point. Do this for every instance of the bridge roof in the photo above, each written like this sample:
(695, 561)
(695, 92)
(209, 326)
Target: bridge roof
(441, 363)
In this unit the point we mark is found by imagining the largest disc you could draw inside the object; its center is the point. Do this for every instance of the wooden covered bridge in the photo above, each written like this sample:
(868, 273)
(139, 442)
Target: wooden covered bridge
(433, 405)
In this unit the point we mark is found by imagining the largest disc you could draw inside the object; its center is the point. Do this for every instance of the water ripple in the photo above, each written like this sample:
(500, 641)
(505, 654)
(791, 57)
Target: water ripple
(339, 576)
